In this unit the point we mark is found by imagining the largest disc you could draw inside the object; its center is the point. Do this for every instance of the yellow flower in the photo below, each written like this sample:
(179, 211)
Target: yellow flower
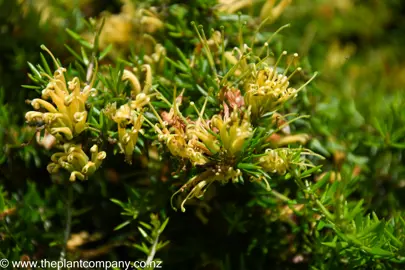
(157, 59)
(276, 160)
(129, 26)
(175, 142)
(141, 95)
(127, 139)
(74, 160)
(200, 138)
(66, 114)
(272, 11)
(231, 6)
(233, 131)
(200, 183)
(268, 88)
(280, 160)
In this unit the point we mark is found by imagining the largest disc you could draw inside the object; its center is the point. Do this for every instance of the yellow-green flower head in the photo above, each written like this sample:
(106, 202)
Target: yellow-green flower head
(123, 115)
(66, 114)
(200, 183)
(180, 145)
(127, 138)
(140, 101)
(176, 143)
(276, 160)
(233, 131)
(268, 88)
(75, 161)
(280, 160)
(200, 137)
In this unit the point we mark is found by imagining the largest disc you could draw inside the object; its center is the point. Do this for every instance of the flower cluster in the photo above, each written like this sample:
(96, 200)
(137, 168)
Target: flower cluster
(129, 26)
(276, 160)
(75, 160)
(126, 117)
(197, 141)
(129, 117)
(62, 111)
(269, 11)
(219, 144)
(201, 182)
(66, 116)
(267, 89)
(214, 144)
(280, 160)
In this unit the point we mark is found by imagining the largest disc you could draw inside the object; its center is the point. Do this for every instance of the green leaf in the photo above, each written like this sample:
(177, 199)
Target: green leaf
(248, 166)
(162, 245)
(162, 228)
(31, 86)
(381, 252)
(356, 210)
(105, 52)
(79, 39)
(84, 56)
(178, 65)
(318, 147)
(379, 127)
(397, 134)
(142, 248)
(320, 225)
(146, 225)
(310, 171)
(329, 244)
(54, 244)
(76, 55)
(321, 182)
(118, 202)
(45, 64)
(144, 234)
(122, 225)
(34, 70)
(183, 58)
(398, 145)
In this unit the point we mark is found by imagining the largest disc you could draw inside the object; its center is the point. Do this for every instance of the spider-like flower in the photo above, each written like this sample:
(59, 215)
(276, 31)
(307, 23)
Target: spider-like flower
(129, 26)
(202, 138)
(66, 113)
(268, 88)
(126, 117)
(231, 6)
(137, 92)
(75, 160)
(233, 131)
(129, 116)
(201, 182)
(276, 160)
(272, 11)
(280, 160)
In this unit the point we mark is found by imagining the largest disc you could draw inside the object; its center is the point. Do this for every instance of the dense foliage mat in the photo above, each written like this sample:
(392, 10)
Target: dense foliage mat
(224, 134)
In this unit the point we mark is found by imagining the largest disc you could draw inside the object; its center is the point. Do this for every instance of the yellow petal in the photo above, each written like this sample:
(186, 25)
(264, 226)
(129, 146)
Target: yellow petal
(77, 175)
(37, 103)
(64, 130)
(136, 86)
(89, 168)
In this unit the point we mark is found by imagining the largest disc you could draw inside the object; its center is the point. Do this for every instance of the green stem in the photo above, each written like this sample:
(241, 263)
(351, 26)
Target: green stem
(324, 210)
(68, 227)
(152, 251)
(281, 196)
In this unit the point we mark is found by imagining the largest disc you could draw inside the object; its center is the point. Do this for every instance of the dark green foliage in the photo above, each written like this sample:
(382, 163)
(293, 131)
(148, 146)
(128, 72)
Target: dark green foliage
(342, 209)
